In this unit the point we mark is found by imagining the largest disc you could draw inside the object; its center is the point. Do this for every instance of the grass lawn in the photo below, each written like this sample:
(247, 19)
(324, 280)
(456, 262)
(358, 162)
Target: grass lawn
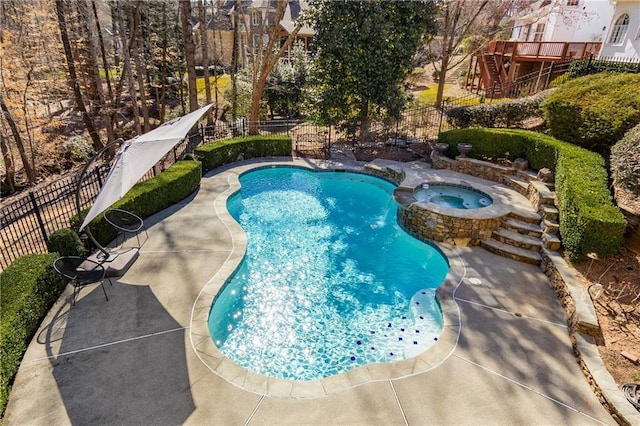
(428, 96)
(224, 81)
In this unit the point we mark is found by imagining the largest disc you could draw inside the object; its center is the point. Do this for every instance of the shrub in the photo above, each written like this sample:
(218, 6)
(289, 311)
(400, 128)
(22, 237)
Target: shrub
(595, 111)
(150, 196)
(227, 151)
(65, 242)
(29, 288)
(625, 160)
(589, 222)
(500, 114)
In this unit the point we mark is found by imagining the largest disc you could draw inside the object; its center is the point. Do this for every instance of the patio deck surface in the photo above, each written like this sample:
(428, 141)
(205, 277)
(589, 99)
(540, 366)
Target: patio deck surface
(504, 358)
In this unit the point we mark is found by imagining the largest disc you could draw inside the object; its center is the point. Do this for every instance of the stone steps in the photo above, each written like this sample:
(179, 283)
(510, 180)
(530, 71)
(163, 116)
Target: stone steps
(516, 239)
(517, 183)
(524, 228)
(526, 216)
(511, 252)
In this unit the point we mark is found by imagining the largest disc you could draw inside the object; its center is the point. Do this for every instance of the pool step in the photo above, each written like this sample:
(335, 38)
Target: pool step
(516, 239)
(511, 252)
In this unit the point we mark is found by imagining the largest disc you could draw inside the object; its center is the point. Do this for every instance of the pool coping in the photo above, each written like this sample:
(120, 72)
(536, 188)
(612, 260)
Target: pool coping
(250, 381)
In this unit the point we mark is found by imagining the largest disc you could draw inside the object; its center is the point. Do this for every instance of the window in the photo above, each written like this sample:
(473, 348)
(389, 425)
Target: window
(539, 32)
(255, 18)
(524, 35)
(573, 2)
(619, 30)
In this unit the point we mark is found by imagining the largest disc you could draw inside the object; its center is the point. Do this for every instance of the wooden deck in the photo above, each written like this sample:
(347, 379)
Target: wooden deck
(542, 50)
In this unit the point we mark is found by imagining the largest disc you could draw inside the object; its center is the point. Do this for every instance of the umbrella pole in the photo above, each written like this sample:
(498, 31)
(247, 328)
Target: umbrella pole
(104, 255)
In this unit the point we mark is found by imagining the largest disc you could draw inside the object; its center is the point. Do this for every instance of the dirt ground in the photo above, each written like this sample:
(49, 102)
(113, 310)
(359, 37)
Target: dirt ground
(614, 286)
(613, 282)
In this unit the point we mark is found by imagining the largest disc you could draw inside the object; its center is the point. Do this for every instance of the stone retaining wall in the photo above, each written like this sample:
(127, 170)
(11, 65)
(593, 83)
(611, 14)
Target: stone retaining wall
(436, 226)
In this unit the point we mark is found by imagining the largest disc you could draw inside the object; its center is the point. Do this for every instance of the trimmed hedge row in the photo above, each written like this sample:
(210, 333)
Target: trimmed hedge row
(29, 287)
(226, 151)
(589, 222)
(151, 196)
(595, 111)
(625, 160)
(501, 114)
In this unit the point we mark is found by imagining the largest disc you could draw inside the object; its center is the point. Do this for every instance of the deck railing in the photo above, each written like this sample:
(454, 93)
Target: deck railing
(543, 50)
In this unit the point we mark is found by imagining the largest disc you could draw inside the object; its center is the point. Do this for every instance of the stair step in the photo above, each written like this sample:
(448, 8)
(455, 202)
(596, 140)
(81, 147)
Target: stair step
(549, 212)
(551, 242)
(524, 228)
(516, 183)
(526, 216)
(550, 227)
(545, 195)
(517, 240)
(515, 253)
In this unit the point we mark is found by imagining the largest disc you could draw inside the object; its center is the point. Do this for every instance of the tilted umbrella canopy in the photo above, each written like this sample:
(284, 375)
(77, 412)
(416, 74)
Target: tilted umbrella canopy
(137, 156)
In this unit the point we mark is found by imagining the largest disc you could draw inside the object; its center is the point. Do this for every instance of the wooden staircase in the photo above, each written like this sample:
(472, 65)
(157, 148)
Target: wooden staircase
(524, 234)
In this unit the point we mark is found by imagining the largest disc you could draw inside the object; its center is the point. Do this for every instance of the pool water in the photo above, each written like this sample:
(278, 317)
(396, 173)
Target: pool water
(329, 280)
(454, 196)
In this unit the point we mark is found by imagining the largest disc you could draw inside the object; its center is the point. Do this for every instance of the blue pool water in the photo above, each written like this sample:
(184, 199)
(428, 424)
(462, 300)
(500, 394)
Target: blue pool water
(329, 280)
(454, 196)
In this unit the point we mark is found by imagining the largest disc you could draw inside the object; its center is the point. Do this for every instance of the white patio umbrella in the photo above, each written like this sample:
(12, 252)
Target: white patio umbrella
(136, 156)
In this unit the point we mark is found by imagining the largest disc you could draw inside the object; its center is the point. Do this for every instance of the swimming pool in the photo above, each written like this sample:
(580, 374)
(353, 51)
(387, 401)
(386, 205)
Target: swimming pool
(329, 280)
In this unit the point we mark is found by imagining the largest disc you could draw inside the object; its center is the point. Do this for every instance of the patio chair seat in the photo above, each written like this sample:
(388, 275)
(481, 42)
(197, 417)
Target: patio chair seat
(124, 223)
(80, 272)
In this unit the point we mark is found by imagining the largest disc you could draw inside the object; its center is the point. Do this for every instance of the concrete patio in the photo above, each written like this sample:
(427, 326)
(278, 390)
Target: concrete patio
(504, 357)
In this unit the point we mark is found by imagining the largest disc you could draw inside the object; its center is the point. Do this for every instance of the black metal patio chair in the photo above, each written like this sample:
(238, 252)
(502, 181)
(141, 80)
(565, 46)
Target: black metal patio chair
(80, 272)
(125, 223)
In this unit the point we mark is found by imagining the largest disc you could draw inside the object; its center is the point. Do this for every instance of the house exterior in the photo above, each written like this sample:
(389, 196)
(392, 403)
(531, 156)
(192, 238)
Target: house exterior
(622, 40)
(547, 32)
(252, 17)
(563, 21)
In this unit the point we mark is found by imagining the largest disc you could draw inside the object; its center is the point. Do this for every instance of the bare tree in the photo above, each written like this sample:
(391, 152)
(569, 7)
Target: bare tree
(31, 176)
(73, 78)
(204, 45)
(265, 59)
(126, 68)
(136, 38)
(459, 20)
(189, 52)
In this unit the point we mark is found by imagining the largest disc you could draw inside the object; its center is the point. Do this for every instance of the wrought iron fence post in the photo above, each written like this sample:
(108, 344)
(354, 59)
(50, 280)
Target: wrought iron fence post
(546, 85)
(98, 176)
(36, 210)
(589, 63)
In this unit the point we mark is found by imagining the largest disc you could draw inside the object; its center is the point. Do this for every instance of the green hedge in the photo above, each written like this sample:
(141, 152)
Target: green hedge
(29, 287)
(625, 161)
(223, 152)
(151, 196)
(589, 222)
(595, 111)
(500, 114)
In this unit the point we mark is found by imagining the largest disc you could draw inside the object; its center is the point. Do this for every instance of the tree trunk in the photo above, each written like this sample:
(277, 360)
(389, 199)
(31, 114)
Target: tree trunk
(205, 54)
(268, 62)
(163, 69)
(126, 61)
(9, 182)
(140, 69)
(108, 110)
(31, 176)
(73, 79)
(234, 63)
(189, 53)
(91, 60)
